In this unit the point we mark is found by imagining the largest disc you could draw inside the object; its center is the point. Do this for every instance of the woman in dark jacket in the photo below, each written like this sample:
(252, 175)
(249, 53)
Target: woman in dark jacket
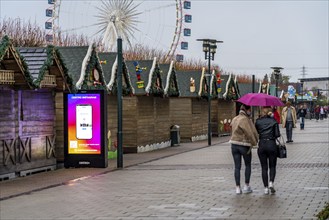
(268, 130)
(302, 113)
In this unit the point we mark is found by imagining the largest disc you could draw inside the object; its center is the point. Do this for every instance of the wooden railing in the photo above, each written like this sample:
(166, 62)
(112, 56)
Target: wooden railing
(49, 81)
(7, 77)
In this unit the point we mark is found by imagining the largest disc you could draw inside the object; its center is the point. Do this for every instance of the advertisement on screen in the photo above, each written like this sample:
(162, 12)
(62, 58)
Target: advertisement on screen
(85, 122)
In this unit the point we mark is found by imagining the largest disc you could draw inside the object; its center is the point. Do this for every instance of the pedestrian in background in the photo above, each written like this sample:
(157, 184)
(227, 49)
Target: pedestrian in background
(268, 130)
(244, 137)
(317, 112)
(301, 113)
(289, 120)
(321, 113)
(276, 114)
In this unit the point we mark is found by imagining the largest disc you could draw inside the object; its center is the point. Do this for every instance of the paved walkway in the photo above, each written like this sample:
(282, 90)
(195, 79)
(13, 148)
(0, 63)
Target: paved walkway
(187, 182)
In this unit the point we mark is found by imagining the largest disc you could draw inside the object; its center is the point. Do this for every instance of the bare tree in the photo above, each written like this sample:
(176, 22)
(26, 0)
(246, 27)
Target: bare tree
(22, 34)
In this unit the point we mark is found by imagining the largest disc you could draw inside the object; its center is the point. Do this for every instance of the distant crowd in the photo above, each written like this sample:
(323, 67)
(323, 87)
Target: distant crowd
(318, 112)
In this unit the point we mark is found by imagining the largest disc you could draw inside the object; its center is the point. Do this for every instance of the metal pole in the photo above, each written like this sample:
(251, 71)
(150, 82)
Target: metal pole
(302, 91)
(253, 91)
(209, 100)
(276, 85)
(119, 97)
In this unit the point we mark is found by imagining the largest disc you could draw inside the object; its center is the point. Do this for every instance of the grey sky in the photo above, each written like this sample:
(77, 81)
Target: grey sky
(256, 34)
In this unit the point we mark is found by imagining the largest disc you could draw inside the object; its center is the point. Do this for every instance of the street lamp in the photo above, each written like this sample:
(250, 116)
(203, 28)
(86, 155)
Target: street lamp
(276, 72)
(209, 48)
(302, 88)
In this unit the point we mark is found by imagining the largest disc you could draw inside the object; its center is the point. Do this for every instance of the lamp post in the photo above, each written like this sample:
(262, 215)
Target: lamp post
(302, 88)
(119, 98)
(209, 48)
(276, 72)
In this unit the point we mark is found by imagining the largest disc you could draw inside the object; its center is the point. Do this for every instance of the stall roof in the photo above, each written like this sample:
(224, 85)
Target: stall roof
(169, 79)
(80, 61)
(149, 73)
(184, 79)
(40, 59)
(247, 88)
(109, 65)
(35, 58)
(10, 59)
(107, 61)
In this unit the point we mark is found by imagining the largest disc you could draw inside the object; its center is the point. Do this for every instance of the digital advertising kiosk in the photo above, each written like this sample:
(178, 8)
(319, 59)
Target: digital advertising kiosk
(85, 126)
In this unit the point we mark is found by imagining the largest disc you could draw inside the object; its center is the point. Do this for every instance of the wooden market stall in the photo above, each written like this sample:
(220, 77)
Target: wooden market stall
(110, 67)
(190, 109)
(146, 126)
(27, 125)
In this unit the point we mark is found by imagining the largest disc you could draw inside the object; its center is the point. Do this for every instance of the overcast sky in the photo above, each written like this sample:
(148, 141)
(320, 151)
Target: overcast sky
(257, 34)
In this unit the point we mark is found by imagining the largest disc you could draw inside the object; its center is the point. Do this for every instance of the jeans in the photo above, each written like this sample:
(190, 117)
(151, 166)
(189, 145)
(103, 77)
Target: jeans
(289, 130)
(302, 122)
(267, 153)
(239, 151)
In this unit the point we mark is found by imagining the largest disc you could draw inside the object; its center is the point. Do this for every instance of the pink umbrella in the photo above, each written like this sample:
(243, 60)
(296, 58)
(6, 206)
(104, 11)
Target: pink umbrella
(260, 99)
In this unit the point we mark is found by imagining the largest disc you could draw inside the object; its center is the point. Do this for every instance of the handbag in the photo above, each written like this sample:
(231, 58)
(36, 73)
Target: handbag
(281, 148)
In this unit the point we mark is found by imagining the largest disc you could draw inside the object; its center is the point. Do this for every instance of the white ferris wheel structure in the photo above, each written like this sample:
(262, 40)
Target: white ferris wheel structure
(135, 21)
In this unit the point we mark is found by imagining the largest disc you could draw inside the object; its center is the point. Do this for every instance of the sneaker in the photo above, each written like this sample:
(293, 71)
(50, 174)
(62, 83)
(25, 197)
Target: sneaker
(272, 188)
(238, 190)
(266, 191)
(247, 189)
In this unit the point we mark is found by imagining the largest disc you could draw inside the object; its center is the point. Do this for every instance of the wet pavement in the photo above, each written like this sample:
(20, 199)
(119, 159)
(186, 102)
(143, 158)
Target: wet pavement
(191, 181)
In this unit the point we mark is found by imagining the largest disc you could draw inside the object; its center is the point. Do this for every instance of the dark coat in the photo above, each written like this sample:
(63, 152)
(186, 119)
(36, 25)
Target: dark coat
(301, 112)
(267, 128)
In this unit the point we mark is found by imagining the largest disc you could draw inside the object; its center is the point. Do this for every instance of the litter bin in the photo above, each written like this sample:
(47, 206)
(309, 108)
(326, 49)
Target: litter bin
(174, 135)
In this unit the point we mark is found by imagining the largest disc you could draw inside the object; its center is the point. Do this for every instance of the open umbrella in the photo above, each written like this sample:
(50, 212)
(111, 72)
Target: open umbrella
(260, 99)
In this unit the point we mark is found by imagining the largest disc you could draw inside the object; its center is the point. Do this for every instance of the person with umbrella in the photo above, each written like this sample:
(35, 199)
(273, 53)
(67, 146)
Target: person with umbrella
(268, 130)
(244, 137)
(289, 119)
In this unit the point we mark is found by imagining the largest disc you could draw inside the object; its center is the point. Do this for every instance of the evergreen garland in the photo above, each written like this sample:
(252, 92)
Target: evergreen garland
(27, 73)
(67, 77)
(126, 89)
(232, 93)
(154, 90)
(5, 42)
(93, 63)
(46, 65)
(173, 88)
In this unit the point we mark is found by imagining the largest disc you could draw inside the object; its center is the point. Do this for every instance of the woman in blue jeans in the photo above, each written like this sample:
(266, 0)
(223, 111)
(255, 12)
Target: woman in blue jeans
(244, 136)
(268, 130)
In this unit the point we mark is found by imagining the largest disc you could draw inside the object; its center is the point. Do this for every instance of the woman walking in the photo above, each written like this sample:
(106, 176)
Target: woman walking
(268, 130)
(244, 136)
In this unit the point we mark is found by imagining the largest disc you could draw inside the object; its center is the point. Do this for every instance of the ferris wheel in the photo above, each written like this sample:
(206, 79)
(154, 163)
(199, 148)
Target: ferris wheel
(160, 25)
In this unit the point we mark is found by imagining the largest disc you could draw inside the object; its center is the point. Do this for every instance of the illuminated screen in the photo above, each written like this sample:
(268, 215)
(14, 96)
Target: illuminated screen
(84, 123)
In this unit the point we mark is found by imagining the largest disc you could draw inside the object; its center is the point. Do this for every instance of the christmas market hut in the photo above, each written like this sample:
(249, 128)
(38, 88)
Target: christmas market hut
(146, 126)
(14, 77)
(109, 65)
(28, 143)
(190, 109)
(50, 73)
(84, 68)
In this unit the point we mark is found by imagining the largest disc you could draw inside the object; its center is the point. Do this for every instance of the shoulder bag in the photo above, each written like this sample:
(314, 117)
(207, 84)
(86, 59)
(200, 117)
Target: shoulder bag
(281, 148)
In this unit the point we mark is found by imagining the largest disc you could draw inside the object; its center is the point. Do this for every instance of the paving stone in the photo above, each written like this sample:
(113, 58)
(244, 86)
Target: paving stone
(197, 184)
